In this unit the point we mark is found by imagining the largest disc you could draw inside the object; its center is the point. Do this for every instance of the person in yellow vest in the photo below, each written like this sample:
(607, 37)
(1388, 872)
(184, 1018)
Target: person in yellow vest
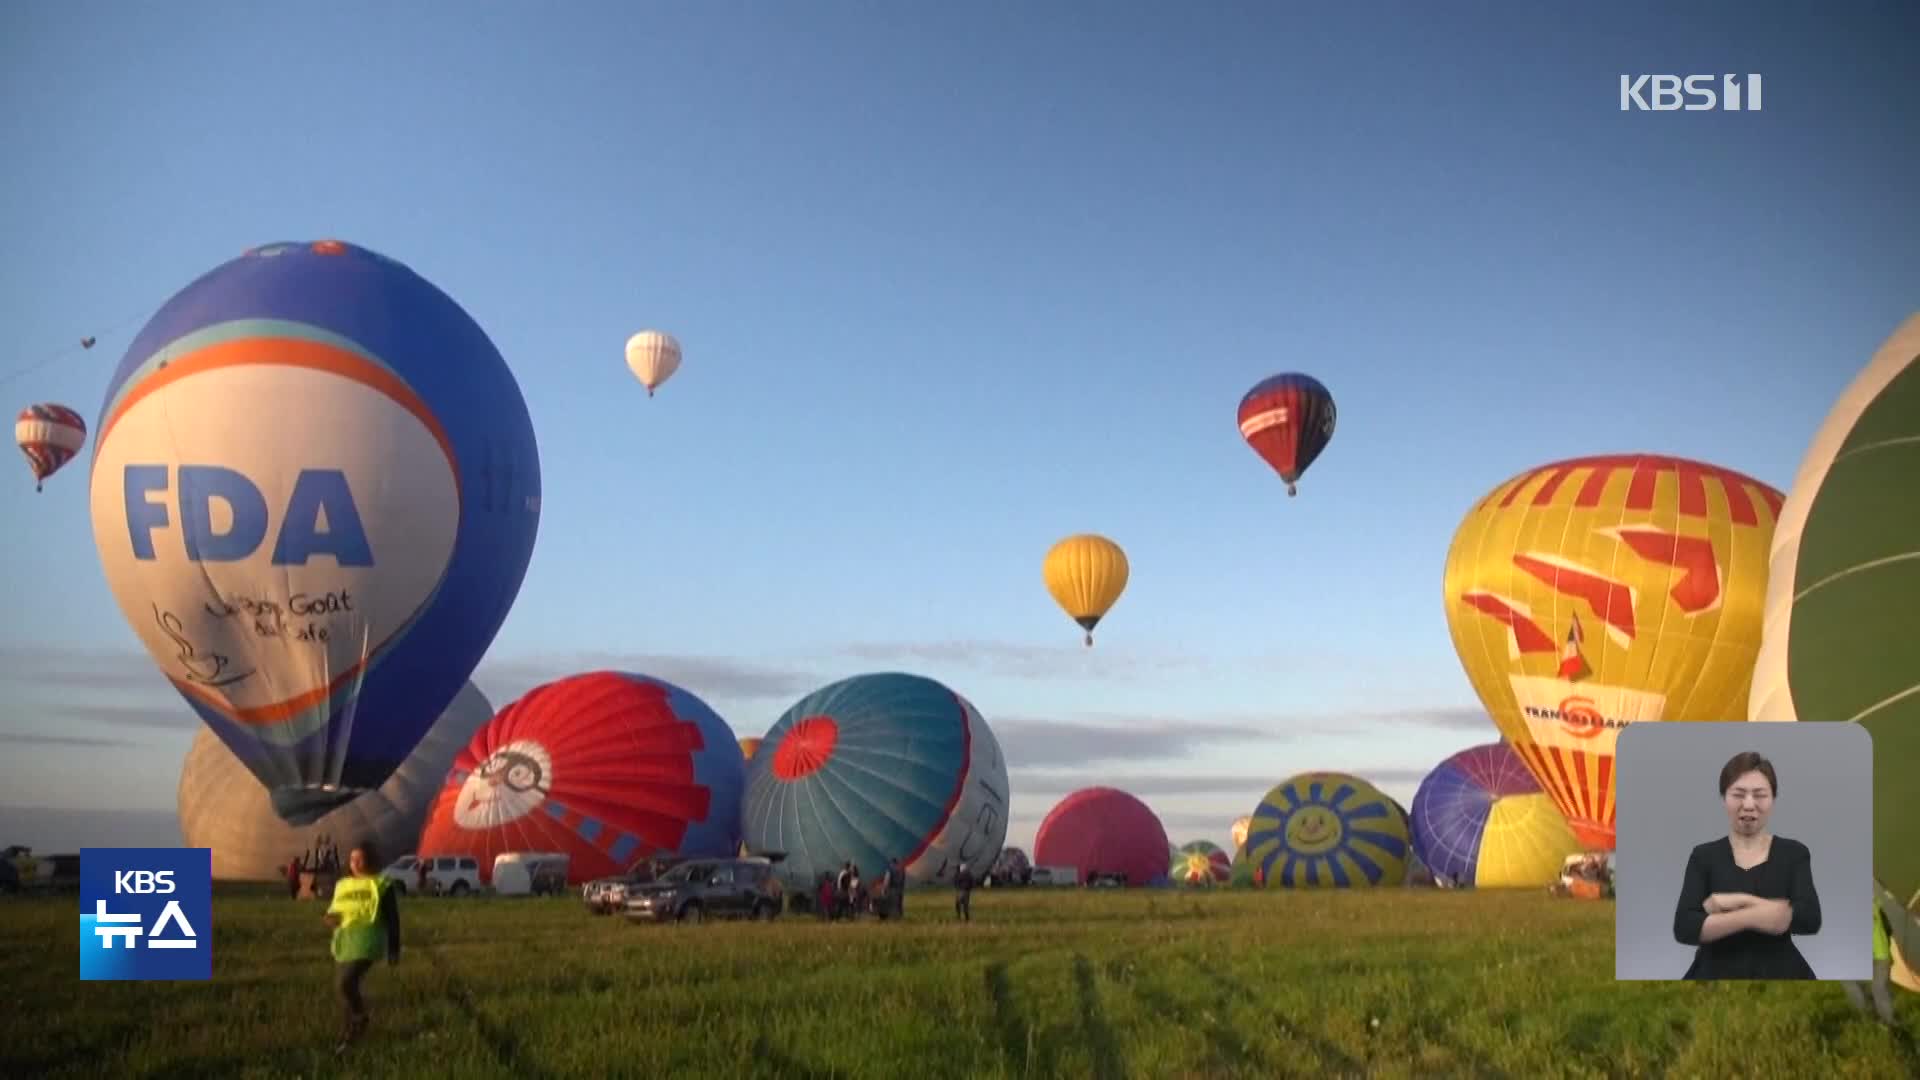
(365, 917)
(1880, 987)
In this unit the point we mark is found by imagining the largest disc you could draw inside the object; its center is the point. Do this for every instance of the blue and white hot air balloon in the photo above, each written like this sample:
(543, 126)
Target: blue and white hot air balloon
(315, 491)
(875, 768)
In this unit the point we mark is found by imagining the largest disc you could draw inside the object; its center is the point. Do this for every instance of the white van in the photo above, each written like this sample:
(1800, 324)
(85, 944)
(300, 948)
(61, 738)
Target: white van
(530, 873)
(1056, 875)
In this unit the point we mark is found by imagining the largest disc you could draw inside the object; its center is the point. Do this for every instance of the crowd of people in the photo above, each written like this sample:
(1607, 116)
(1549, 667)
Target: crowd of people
(845, 896)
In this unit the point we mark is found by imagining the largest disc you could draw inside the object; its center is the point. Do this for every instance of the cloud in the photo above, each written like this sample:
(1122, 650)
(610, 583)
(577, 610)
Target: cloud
(1056, 782)
(1093, 739)
(33, 738)
(708, 676)
(56, 830)
(1020, 661)
(80, 669)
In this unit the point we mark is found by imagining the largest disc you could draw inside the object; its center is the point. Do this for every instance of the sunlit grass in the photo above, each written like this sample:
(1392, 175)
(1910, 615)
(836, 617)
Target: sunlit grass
(1042, 983)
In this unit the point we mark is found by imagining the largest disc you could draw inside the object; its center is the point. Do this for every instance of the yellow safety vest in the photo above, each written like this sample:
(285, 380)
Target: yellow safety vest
(1882, 945)
(360, 935)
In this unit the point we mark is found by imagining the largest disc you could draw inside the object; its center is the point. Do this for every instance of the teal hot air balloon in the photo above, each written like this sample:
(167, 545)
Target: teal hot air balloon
(1841, 641)
(875, 768)
(1328, 829)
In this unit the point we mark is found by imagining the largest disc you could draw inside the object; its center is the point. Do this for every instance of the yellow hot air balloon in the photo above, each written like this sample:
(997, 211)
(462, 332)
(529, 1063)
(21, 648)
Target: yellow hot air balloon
(748, 747)
(1593, 593)
(1086, 574)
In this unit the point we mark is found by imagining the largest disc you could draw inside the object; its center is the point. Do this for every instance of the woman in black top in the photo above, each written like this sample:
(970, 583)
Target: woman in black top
(1746, 894)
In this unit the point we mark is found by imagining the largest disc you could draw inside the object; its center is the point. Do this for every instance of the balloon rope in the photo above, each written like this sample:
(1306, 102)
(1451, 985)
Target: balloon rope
(70, 350)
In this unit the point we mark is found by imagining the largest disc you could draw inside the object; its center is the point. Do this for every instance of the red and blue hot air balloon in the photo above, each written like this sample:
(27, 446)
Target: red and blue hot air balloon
(609, 768)
(315, 491)
(875, 768)
(1288, 420)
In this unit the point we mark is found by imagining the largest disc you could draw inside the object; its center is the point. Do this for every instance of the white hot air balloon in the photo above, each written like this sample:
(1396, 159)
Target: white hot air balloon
(223, 806)
(653, 356)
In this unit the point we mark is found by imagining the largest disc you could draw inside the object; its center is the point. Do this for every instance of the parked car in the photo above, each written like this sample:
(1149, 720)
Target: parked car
(604, 896)
(453, 875)
(404, 873)
(709, 888)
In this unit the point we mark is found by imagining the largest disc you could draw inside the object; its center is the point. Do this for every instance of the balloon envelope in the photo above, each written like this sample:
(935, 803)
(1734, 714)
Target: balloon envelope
(653, 356)
(1594, 593)
(49, 435)
(1085, 574)
(224, 808)
(1842, 638)
(1320, 829)
(607, 767)
(315, 490)
(1481, 819)
(1102, 830)
(748, 748)
(1201, 862)
(1239, 831)
(1288, 420)
(873, 768)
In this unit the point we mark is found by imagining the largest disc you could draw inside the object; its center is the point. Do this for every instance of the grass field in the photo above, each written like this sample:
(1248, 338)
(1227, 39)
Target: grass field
(1070, 983)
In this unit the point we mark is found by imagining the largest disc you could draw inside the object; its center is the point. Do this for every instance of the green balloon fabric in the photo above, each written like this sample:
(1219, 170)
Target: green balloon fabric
(1842, 636)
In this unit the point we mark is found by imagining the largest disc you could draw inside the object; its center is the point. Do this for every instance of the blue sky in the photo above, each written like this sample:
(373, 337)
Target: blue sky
(954, 281)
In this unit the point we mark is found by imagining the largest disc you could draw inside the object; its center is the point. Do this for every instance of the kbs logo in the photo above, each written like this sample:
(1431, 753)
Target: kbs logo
(146, 914)
(1670, 93)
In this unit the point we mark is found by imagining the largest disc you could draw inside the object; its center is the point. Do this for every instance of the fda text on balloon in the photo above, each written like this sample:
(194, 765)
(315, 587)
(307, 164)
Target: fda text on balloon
(319, 518)
(1691, 93)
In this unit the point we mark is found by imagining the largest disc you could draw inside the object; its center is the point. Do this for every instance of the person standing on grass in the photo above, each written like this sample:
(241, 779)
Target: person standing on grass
(1881, 986)
(365, 917)
(897, 889)
(293, 878)
(963, 893)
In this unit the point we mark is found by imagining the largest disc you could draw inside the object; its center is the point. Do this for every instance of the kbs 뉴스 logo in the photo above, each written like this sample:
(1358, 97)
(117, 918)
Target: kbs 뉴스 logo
(146, 914)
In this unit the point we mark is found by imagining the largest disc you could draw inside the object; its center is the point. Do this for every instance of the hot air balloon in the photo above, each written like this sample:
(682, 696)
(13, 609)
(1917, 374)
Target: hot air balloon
(224, 808)
(1481, 819)
(1086, 574)
(1239, 832)
(607, 767)
(1102, 831)
(749, 747)
(1242, 876)
(49, 435)
(86, 343)
(653, 356)
(1590, 594)
(1200, 863)
(1288, 420)
(315, 490)
(874, 768)
(1842, 631)
(1012, 868)
(1328, 829)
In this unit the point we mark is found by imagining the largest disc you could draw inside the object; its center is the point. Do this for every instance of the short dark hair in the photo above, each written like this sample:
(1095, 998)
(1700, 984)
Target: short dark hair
(366, 847)
(1741, 764)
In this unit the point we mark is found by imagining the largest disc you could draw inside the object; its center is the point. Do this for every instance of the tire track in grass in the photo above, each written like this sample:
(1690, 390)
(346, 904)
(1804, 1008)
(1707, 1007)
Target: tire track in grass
(504, 1045)
(1109, 1063)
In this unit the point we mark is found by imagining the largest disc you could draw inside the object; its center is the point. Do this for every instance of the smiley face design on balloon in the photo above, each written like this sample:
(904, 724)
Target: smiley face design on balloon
(512, 783)
(1328, 829)
(1313, 830)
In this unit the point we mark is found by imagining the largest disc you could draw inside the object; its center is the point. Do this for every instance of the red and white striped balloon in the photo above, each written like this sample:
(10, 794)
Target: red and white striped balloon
(49, 435)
